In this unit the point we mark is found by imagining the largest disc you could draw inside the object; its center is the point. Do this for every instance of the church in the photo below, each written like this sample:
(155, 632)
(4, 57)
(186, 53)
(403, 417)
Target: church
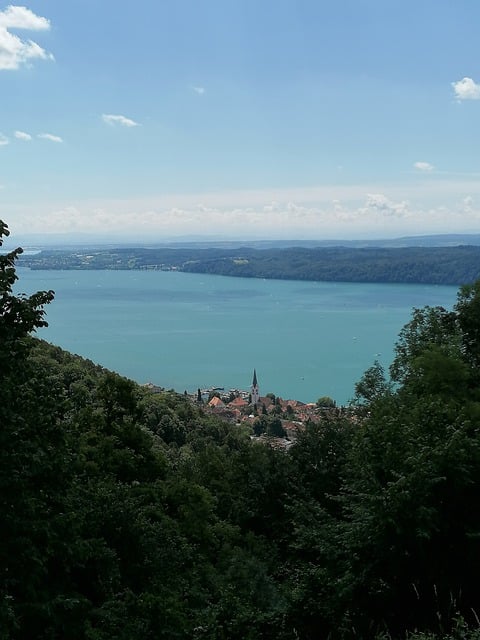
(255, 392)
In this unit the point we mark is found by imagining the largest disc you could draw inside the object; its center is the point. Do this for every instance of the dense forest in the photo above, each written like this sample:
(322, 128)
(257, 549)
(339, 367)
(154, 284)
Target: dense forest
(426, 265)
(131, 515)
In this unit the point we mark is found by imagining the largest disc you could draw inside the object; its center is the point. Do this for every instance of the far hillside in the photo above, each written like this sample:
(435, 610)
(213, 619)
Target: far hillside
(448, 265)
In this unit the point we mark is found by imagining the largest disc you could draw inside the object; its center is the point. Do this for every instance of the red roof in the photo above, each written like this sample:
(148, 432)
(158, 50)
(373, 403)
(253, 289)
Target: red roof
(216, 402)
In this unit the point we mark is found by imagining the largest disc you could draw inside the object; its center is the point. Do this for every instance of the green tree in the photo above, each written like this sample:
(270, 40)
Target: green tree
(468, 315)
(275, 427)
(428, 326)
(373, 385)
(410, 523)
(32, 457)
(19, 314)
(325, 402)
(386, 523)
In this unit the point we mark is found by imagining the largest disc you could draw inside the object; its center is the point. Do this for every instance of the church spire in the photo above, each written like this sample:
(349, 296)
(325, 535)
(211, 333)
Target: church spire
(255, 390)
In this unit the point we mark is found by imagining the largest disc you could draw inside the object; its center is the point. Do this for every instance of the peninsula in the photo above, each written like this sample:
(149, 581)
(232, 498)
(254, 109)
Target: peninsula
(452, 265)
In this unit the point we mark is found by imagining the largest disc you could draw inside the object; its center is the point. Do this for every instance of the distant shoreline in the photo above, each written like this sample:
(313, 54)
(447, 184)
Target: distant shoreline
(448, 265)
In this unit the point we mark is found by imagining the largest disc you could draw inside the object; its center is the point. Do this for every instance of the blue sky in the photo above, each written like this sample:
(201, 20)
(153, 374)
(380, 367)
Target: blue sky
(240, 118)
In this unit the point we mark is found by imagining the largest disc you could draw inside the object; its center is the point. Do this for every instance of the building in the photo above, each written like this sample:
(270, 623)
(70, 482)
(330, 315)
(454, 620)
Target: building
(255, 390)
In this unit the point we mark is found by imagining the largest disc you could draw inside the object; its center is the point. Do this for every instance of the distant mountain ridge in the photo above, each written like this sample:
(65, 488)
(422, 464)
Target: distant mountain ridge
(67, 241)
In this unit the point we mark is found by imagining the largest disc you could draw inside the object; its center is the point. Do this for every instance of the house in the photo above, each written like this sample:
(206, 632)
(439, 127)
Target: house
(216, 403)
(238, 403)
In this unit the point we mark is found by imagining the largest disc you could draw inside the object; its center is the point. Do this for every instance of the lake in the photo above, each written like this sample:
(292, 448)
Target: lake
(184, 331)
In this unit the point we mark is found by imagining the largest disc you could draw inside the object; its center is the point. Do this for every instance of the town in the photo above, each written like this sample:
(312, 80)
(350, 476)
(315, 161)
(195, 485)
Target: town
(271, 418)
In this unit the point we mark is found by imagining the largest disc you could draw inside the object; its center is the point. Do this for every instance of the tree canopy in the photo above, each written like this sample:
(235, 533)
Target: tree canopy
(130, 514)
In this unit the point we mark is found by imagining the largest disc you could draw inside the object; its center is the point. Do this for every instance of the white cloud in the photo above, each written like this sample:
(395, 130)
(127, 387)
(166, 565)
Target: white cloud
(21, 135)
(288, 219)
(15, 52)
(119, 119)
(15, 17)
(378, 202)
(328, 211)
(199, 90)
(3, 140)
(426, 167)
(49, 136)
(466, 89)
(467, 205)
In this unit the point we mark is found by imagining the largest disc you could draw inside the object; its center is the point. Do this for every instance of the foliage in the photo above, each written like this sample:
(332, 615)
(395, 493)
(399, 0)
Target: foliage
(435, 265)
(130, 514)
(326, 402)
(19, 314)
(373, 385)
(270, 425)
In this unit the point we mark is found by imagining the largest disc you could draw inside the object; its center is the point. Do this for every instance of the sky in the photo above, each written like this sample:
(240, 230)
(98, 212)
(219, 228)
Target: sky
(306, 119)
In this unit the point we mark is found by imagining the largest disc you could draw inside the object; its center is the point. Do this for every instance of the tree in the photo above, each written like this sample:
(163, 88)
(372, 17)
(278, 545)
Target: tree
(32, 455)
(19, 314)
(275, 427)
(411, 523)
(385, 512)
(372, 385)
(325, 402)
(428, 326)
(468, 316)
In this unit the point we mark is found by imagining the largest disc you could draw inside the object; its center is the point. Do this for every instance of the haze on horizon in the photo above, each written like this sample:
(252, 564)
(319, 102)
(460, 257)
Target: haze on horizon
(312, 120)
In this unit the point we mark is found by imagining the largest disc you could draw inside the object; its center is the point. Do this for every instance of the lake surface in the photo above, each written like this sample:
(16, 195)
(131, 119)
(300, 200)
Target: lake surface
(184, 331)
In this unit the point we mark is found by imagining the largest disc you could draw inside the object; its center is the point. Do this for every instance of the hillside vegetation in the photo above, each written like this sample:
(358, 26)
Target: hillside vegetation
(428, 265)
(130, 515)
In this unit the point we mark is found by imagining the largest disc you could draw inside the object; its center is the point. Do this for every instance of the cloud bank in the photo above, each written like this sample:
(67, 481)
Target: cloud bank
(375, 215)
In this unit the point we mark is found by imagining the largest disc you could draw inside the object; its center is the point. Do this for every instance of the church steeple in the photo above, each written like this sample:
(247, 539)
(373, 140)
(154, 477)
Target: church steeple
(255, 390)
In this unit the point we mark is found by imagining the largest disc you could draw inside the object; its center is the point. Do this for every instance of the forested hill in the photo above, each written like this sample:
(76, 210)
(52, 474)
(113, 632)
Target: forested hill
(426, 265)
(128, 515)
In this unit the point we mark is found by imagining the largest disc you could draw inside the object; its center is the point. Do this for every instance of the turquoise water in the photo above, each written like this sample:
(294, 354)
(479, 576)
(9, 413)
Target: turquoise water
(184, 331)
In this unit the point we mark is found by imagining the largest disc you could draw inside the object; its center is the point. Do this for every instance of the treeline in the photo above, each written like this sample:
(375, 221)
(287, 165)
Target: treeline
(427, 265)
(130, 515)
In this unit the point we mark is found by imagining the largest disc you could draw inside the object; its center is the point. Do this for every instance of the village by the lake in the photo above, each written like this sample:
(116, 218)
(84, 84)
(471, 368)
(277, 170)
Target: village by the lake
(271, 419)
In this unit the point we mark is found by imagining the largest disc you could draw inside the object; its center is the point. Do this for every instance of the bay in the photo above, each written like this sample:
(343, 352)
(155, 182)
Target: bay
(184, 331)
